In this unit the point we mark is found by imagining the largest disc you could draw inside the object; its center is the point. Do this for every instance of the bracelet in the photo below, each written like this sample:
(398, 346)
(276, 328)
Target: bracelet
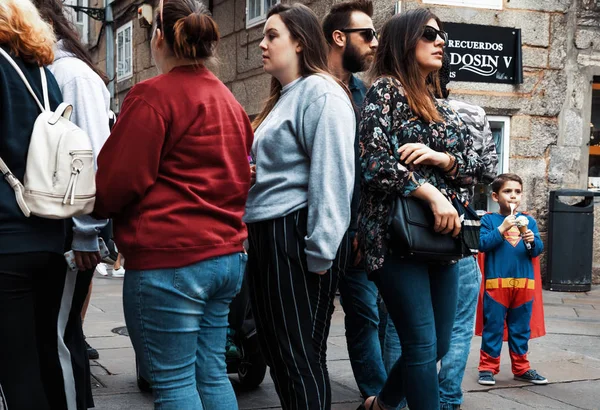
(452, 163)
(454, 168)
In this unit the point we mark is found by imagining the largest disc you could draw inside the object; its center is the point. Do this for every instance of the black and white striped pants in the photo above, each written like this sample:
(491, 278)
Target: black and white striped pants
(293, 308)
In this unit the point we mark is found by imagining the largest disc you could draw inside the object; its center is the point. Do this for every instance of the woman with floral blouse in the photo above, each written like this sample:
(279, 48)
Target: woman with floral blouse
(412, 145)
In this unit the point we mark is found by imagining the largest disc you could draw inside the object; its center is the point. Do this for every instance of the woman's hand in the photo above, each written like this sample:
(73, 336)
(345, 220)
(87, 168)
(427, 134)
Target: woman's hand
(87, 260)
(446, 217)
(252, 174)
(421, 154)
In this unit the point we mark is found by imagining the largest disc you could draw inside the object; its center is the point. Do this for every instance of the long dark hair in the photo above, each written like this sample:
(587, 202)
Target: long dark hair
(52, 11)
(395, 57)
(304, 27)
(188, 28)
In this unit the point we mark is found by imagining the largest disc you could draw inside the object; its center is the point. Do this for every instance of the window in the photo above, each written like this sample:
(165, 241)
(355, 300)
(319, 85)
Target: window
(481, 4)
(79, 18)
(594, 164)
(256, 11)
(82, 22)
(124, 52)
(500, 126)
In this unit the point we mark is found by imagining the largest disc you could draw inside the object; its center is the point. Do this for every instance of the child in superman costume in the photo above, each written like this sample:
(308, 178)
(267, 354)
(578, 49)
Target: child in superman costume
(510, 304)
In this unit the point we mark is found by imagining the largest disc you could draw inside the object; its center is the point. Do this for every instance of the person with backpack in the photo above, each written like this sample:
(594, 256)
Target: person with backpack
(31, 248)
(82, 85)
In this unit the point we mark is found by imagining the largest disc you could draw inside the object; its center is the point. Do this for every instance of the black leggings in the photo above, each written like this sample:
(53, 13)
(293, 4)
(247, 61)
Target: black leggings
(31, 286)
(31, 375)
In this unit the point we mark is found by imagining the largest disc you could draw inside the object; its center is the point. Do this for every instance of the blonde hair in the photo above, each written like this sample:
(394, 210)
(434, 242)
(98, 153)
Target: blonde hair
(25, 33)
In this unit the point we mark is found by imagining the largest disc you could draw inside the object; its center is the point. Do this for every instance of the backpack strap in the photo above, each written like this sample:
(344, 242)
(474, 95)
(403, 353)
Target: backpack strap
(43, 77)
(45, 88)
(16, 186)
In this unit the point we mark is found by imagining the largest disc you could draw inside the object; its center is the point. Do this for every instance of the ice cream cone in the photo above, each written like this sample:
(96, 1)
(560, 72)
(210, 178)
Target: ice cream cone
(522, 229)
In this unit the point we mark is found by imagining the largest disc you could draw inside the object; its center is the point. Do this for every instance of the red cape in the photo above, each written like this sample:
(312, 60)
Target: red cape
(538, 327)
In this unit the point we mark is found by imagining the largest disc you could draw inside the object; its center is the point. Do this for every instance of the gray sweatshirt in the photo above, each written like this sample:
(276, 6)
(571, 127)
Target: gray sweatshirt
(83, 88)
(304, 153)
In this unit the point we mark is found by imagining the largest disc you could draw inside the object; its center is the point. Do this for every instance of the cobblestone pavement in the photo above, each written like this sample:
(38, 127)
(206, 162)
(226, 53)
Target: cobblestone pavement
(569, 356)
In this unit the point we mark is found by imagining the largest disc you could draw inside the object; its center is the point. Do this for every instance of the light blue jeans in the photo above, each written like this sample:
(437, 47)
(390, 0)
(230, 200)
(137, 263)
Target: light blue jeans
(177, 321)
(454, 362)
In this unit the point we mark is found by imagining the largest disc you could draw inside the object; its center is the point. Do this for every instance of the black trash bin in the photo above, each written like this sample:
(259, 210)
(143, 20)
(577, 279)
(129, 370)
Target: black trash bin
(570, 241)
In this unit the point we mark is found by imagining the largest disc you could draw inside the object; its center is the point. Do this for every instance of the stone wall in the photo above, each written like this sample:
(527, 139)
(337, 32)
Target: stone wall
(550, 111)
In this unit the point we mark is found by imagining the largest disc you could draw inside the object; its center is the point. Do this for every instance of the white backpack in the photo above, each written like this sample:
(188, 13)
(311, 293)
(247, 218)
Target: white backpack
(59, 178)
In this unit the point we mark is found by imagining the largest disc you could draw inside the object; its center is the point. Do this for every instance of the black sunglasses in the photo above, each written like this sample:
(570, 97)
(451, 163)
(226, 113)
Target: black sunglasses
(431, 34)
(368, 33)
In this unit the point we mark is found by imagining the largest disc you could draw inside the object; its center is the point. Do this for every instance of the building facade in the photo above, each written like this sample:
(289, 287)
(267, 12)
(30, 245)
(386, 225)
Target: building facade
(547, 128)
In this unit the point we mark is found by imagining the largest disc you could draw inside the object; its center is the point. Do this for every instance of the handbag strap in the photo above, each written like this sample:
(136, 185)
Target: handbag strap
(46, 106)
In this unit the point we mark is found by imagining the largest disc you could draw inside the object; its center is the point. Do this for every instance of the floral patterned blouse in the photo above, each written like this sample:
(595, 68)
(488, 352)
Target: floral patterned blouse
(387, 123)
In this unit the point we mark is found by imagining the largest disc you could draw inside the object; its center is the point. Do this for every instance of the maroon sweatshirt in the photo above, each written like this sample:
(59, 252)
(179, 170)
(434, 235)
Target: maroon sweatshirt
(174, 173)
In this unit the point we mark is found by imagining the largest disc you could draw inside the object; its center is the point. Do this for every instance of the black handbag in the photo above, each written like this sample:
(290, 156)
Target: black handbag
(412, 224)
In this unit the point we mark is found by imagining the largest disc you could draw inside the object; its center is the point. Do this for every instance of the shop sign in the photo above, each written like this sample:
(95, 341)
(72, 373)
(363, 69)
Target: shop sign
(484, 54)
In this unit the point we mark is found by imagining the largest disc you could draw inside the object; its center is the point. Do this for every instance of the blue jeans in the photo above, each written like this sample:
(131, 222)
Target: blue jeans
(358, 296)
(454, 362)
(421, 301)
(177, 321)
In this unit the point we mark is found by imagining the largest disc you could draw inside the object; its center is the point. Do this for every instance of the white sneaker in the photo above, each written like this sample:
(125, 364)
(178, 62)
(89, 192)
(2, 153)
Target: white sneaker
(118, 273)
(102, 269)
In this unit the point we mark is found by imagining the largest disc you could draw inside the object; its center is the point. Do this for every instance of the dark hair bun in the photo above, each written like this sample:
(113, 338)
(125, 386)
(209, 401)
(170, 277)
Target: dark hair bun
(195, 36)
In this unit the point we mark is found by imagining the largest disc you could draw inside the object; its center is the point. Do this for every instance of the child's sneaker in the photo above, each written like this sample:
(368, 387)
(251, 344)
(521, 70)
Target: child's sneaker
(486, 379)
(532, 376)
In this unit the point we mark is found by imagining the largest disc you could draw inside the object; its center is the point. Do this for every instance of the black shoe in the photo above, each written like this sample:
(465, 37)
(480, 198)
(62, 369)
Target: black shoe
(486, 379)
(532, 376)
(91, 352)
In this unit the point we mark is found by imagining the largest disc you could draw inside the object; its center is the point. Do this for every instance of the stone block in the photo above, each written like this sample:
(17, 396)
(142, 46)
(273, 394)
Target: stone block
(571, 128)
(530, 170)
(564, 168)
(582, 395)
(549, 95)
(581, 89)
(142, 57)
(587, 37)
(544, 132)
(227, 54)
(520, 126)
(252, 92)
(250, 35)
(224, 15)
(536, 57)
(558, 41)
(240, 14)
(384, 9)
(546, 5)
(588, 59)
(249, 57)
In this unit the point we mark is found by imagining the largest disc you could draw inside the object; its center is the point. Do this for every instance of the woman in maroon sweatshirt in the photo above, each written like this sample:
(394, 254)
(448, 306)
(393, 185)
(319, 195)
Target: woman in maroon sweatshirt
(174, 176)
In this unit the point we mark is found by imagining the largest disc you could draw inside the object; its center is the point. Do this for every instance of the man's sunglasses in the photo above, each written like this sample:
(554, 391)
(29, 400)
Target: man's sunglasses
(368, 33)
(431, 34)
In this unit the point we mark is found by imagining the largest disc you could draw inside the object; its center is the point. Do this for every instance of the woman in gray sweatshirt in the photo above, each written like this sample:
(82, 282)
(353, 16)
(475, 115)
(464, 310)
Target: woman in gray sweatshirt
(298, 210)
